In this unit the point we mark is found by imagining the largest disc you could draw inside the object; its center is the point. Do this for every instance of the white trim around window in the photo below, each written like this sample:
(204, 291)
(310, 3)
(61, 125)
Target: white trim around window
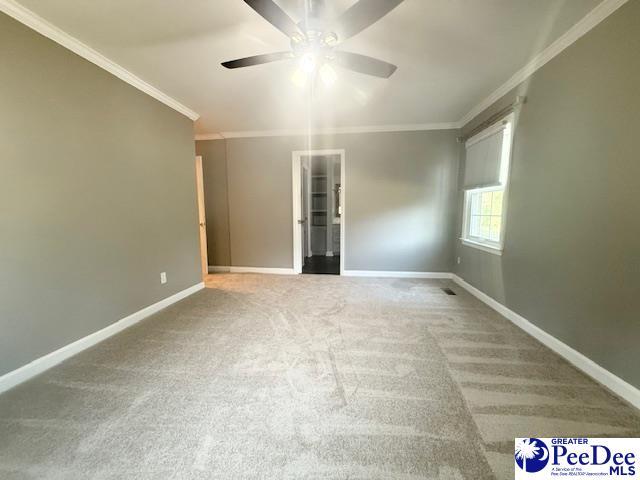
(481, 246)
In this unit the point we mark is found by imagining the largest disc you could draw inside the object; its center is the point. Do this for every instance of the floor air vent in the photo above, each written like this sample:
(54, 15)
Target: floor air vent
(448, 291)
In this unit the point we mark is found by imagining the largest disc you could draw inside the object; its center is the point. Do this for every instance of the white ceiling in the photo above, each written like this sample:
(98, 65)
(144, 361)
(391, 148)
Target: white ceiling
(451, 55)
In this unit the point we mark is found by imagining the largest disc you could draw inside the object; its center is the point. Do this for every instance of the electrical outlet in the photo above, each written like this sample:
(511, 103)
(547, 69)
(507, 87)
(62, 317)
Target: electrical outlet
(163, 278)
(459, 260)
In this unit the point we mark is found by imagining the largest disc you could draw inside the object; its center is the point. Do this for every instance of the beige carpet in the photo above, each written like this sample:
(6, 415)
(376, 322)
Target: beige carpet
(308, 377)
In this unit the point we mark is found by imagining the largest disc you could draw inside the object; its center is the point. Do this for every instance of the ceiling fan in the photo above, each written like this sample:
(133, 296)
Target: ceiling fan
(314, 40)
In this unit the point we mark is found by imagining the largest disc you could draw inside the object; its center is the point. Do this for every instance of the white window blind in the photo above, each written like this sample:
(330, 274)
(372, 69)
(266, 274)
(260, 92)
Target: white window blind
(484, 157)
(485, 181)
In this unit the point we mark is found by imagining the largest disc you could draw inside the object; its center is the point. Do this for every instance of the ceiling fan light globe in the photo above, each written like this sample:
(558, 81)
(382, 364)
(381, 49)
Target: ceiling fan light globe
(331, 39)
(297, 38)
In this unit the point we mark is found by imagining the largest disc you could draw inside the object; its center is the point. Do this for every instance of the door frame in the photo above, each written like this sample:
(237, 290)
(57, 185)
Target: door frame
(202, 218)
(297, 203)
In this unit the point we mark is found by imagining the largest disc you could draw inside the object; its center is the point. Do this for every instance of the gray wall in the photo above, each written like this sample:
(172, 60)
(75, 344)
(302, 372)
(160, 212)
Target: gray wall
(97, 197)
(214, 167)
(400, 198)
(571, 262)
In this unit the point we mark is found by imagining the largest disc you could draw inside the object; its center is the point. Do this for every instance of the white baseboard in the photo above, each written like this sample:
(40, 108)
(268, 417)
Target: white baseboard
(272, 271)
(614, 383)
(389, 274)
(329, 254)
(218, 269)
(39, 365)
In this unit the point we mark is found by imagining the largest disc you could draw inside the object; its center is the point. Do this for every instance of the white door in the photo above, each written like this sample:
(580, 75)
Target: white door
(202, 218)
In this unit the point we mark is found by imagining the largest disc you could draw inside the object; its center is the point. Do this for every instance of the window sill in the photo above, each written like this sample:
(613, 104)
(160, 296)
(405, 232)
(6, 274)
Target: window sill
(482, 246)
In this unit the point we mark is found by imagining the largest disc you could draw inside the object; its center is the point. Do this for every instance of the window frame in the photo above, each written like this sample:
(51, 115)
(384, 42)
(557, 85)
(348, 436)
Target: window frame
(479, 242)
(489, 246)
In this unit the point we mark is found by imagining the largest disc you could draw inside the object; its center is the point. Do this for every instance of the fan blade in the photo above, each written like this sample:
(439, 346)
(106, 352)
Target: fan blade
(258, 60)
(361, 15)
(363, 64)
(273, 14)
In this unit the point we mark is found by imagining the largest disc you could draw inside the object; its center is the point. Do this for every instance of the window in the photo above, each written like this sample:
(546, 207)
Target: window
(485, 215)
(485, 183)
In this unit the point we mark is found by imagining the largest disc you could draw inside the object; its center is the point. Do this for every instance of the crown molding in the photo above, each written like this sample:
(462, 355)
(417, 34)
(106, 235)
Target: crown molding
(40, 25)
(588, 22)
(329, 131)
(35, 22)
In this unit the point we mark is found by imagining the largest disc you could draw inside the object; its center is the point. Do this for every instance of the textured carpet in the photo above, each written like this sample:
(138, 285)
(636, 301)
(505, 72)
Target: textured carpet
(303, 377)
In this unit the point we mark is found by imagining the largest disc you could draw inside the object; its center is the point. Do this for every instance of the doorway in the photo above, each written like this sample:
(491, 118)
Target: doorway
(318, 211)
